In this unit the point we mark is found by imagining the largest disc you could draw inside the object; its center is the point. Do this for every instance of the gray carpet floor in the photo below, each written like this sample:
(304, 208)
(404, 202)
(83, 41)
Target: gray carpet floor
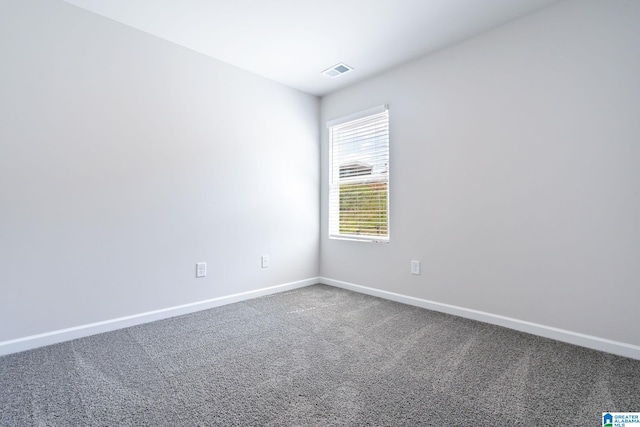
(315, 356)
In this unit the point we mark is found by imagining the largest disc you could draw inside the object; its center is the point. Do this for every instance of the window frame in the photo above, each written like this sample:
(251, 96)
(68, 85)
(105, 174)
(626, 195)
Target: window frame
(337, 180)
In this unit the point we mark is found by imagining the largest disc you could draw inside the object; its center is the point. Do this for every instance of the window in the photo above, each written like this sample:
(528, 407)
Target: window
(359, 176)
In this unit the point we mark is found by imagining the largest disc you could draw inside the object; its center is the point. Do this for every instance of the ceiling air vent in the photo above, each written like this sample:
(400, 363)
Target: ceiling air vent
(337, 70)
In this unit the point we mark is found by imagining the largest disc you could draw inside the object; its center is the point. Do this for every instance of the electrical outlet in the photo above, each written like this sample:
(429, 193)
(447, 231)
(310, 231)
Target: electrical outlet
(264, 261)
(415, 267)
(201, 269)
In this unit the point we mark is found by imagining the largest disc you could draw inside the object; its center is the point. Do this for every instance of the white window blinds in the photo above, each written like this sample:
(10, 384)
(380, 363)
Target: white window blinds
(359, 176)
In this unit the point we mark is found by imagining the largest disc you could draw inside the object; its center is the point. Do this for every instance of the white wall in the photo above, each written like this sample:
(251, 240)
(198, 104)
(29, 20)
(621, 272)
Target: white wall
(125, 159)
(514, 172)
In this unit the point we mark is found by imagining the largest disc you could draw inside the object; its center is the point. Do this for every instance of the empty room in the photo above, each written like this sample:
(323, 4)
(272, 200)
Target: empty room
(312, 213)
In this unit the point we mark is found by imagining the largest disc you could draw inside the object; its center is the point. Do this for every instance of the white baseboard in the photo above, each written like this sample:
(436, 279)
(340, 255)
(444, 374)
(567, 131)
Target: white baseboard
(595, 343)
(53, 337)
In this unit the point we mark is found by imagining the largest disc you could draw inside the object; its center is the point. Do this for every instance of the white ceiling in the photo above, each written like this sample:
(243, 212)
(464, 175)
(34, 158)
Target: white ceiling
(293, 41)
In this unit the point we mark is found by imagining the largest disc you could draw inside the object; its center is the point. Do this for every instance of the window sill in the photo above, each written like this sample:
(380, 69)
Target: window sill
(368, 239)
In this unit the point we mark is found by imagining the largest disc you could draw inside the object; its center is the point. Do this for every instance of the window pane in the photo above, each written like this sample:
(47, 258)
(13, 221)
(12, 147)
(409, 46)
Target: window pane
(359, 178)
